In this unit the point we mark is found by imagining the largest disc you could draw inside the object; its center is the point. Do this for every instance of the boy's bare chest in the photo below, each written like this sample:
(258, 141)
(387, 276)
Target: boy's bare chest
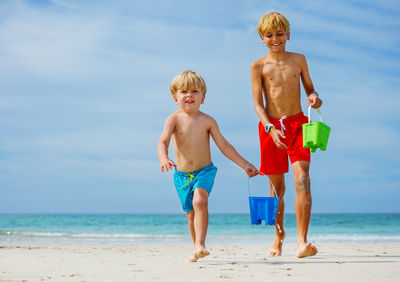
(190, 130)
(275, 74)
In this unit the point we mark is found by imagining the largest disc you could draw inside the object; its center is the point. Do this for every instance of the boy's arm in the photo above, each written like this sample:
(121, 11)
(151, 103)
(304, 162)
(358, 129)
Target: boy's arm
(258, 98)
(256, 84)
(312, 95)
(163, 144)
(229, 151)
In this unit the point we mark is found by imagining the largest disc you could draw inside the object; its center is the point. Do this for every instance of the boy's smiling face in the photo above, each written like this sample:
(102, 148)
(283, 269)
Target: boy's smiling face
(275, 40)
(190, 99)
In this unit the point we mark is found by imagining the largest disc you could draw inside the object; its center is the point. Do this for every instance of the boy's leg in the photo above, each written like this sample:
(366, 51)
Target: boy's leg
(200, 205)
(190, 216)
(303, 207)
(279, 183)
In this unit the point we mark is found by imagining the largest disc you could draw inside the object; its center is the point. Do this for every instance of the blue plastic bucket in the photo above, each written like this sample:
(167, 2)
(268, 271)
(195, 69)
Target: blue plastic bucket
(263, 208)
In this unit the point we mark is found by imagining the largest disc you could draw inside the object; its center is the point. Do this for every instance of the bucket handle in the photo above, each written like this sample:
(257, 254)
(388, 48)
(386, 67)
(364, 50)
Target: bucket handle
(309, 114)
(273, 187)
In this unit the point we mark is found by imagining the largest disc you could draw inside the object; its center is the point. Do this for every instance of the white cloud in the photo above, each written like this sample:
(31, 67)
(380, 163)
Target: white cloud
(51, 45)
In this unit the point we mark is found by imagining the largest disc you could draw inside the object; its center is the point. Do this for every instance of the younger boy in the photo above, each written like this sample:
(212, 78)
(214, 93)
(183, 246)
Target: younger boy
(190, 130)
(276, 80)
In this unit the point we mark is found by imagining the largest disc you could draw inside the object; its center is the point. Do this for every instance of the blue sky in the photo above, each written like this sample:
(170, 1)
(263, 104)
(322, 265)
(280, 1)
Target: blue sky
(84, 92)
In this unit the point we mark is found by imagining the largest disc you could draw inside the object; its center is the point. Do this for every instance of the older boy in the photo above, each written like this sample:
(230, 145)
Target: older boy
(276, 79)
(190, 130)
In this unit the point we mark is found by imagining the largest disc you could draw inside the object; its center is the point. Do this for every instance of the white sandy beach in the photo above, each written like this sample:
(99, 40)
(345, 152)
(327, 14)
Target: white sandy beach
(166, 262)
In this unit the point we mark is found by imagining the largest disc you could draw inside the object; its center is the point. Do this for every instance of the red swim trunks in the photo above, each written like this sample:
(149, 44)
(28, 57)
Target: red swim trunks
(275, 160)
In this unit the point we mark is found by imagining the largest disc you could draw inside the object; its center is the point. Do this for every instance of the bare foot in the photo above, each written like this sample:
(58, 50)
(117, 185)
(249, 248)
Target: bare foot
(201, 252)
(276, 248)
(306, 250)
(274, 252)
(192, 258)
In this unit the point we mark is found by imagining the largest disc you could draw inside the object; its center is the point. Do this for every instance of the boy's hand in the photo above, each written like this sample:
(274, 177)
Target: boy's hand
(251, 170)
(166, 164)
(276, 136)
(314, 101)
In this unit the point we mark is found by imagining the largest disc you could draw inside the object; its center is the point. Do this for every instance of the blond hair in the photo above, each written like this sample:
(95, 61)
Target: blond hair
(185, 80)
(271, 22)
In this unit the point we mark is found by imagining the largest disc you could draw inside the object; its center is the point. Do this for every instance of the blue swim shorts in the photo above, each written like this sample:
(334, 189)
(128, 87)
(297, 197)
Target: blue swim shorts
(187, 182)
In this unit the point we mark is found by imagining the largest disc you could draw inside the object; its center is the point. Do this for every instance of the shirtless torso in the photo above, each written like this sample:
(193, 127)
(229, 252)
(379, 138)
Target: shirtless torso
(191, 139)
(276, 79)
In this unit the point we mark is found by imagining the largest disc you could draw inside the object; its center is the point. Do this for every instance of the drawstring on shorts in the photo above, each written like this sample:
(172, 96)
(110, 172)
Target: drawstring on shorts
(281, 122)
(190, 178)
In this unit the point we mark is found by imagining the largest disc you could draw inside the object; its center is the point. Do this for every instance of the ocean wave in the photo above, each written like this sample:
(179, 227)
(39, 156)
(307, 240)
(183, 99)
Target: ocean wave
(91, 235)
(132, 237)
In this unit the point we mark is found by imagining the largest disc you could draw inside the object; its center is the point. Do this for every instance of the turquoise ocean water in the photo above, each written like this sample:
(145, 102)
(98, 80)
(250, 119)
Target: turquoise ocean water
(135, 228)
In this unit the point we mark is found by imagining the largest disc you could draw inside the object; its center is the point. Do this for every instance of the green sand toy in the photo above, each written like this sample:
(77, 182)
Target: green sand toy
(315, 134)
